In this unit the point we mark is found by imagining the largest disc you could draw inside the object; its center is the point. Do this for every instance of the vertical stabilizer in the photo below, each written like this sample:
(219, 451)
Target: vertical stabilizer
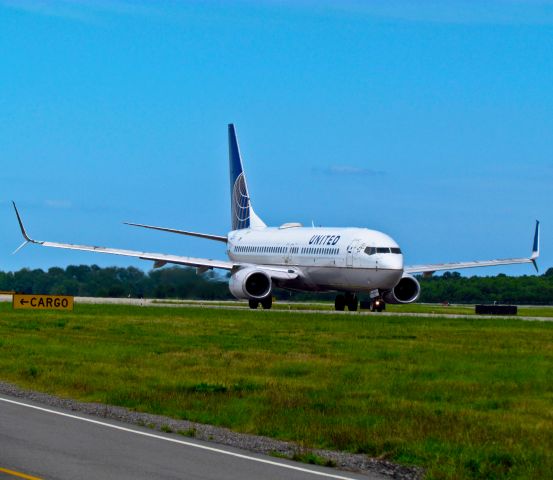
(242, 214)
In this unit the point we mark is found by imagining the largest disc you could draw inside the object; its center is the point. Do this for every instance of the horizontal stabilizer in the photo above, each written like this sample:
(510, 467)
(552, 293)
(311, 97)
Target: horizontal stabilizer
(208, 236)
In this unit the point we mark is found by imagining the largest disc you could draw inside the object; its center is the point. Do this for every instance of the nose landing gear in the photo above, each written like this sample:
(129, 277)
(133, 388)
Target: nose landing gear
(378, 305)
(349, 300)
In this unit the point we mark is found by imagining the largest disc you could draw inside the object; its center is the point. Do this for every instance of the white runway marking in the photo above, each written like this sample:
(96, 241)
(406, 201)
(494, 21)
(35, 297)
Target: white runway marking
(181, 442)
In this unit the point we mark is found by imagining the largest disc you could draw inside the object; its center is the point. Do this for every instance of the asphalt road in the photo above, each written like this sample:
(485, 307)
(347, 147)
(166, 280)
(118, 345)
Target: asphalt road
(38, 442)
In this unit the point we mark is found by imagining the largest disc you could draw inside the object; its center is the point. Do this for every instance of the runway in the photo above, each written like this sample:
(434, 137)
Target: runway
(39, 442)
(208, 304)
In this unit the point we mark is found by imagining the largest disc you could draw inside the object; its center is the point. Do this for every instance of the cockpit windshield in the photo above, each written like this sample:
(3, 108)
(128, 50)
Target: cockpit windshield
(373, 250)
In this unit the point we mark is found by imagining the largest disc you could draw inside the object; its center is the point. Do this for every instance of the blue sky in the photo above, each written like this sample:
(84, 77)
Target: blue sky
(431, 121)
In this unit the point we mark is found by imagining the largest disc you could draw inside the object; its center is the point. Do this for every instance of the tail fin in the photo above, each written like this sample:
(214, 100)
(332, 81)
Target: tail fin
(242, 214)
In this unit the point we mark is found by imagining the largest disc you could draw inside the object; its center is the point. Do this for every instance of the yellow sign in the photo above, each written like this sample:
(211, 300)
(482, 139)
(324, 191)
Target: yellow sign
(42, 302)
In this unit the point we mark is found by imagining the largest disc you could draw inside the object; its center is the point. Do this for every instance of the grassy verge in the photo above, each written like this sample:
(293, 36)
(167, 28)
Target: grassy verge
(464, 398)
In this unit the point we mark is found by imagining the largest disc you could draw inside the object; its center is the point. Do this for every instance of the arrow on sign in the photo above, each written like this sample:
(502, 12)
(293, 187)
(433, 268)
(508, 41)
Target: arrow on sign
(23, 302)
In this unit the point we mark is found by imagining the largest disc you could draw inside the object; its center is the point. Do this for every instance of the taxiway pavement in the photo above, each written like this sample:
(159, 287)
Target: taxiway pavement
(39, 442)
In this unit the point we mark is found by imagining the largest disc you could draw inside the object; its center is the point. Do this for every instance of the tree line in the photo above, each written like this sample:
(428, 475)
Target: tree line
(184, 283)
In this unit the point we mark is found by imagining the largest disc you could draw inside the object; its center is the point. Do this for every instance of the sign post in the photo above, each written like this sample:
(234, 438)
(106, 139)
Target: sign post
(42, 302)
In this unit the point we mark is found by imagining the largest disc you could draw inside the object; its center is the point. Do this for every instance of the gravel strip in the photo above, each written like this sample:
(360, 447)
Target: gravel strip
(223, 436)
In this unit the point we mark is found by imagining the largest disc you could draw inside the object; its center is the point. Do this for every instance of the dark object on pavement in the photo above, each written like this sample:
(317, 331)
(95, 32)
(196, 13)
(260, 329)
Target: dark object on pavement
(496, 309)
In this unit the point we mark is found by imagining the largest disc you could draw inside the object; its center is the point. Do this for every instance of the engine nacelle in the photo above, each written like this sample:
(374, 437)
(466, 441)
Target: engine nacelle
(406, 291)
(250, 283)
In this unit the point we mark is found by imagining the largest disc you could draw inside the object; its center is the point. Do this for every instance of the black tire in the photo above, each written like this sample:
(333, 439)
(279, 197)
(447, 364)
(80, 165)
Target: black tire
(340, 303)
(253, 304)
(267, 303)
(353, 305)
(352, 302)
(378, 305)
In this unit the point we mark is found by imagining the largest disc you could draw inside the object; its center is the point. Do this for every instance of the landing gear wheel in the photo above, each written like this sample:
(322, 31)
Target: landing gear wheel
(253, 304)
(340, 303)
(352, 302)
(378, 305)
(267, 303)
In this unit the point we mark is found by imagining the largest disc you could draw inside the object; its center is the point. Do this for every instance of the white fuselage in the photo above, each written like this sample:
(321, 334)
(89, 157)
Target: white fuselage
(343, 259)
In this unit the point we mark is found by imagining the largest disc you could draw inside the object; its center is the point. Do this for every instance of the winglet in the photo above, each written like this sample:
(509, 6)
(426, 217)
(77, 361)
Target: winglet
(27, 238)
(536, 246)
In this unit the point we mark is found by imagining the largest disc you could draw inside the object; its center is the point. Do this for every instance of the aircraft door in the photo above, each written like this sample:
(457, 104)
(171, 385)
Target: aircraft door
(351, 251)
(288, 254)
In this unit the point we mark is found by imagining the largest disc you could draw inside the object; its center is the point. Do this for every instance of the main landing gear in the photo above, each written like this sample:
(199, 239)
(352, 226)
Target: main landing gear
(266, 303)
(349, 300)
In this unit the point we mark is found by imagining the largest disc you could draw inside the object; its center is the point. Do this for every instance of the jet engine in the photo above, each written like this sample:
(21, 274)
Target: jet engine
(406, 291)
(250, 283)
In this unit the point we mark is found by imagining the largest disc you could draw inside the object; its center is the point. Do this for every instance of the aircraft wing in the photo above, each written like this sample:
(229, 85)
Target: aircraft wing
(161, 259)
(431, 268)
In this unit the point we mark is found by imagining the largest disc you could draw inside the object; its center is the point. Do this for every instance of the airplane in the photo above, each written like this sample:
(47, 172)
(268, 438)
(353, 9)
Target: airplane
(348, 261)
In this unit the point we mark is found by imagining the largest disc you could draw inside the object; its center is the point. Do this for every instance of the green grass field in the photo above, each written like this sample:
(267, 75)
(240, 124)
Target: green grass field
(463, 398)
